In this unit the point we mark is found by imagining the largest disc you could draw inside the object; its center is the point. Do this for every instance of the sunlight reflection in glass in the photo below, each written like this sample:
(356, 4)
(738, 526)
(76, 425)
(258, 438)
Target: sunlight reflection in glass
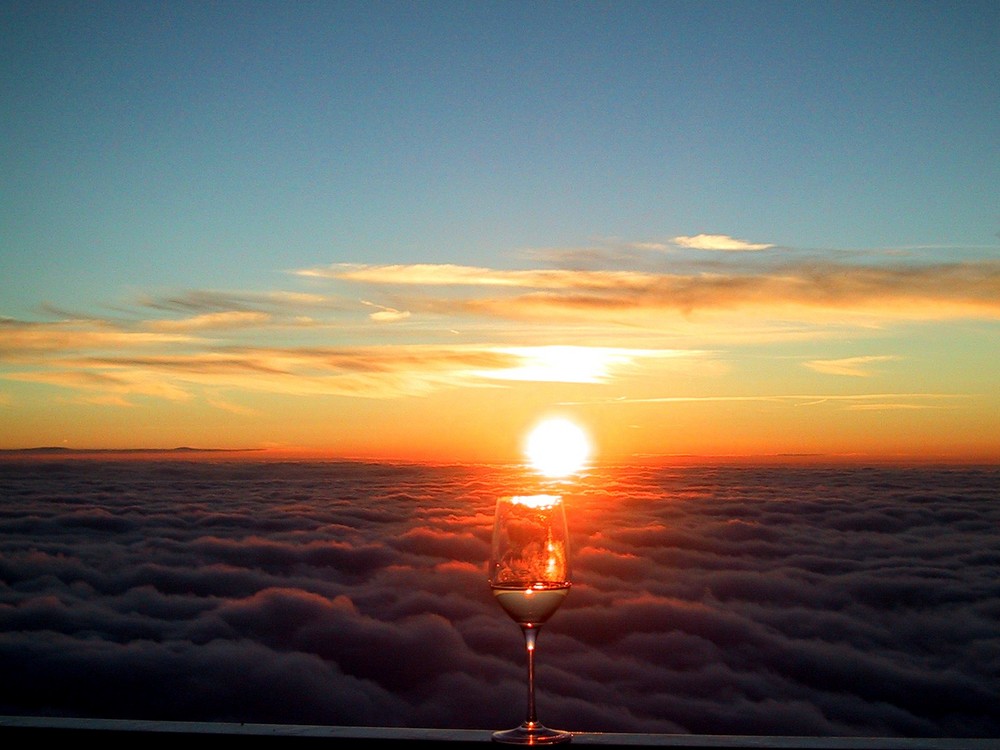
(529, 570)
(529, 576)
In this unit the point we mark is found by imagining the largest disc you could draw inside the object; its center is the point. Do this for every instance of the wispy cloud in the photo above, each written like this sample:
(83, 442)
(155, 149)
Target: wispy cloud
(123, 367)
(852, 400)
(226, 319)
(888, 406)
(805, 292)
(384, 314)
(447, 274)
(851, 366)
(719, 242)
(19, 338)
(106, 386)
(527, 325)
(227, 405)
(199, 301)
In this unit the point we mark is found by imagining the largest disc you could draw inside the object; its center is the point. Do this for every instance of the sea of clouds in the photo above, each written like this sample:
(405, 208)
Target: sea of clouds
(712, 599)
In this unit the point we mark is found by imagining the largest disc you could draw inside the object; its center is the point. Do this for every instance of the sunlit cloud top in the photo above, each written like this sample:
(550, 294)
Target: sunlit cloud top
(719, 242)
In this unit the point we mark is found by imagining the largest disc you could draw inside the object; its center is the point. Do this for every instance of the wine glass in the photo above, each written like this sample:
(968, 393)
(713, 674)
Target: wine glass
(529, 576)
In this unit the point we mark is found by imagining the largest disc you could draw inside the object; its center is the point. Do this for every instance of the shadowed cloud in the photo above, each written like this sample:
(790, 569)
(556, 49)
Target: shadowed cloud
(800, 601)
(806, 292)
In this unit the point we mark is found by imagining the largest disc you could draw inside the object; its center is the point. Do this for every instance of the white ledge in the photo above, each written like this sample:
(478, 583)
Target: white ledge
(60, 725)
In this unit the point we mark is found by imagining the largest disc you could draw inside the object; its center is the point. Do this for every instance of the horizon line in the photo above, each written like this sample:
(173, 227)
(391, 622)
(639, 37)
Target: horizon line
(643, 459)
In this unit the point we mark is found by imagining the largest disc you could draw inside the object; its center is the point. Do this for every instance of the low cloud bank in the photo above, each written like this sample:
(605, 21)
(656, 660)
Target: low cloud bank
(787, 601)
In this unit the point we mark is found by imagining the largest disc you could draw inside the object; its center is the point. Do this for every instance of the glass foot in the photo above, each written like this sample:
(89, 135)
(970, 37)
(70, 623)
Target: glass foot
(532, 734)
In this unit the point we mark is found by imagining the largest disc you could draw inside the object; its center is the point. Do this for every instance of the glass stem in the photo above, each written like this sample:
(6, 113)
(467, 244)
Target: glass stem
(530, 637)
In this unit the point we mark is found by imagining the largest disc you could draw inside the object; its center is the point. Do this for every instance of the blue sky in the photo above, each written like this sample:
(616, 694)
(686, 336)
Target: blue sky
(158, 151)
(248, 138)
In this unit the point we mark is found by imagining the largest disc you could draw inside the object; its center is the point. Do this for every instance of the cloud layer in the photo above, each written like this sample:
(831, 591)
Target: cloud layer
(650, 323)
(800, 292)
(710, 600)
(174, 344)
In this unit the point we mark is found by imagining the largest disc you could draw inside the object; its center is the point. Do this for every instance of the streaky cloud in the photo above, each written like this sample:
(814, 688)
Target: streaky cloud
(28, 337)
(227, 319)
(204, 301)
(892, 407)
(446, 274)
(370, 372)
(811, 291)
(802, 399)
(850, 366)
(115, 385)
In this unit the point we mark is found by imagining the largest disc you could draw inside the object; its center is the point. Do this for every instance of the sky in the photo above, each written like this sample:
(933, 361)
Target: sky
(410, 230)
(785, 601)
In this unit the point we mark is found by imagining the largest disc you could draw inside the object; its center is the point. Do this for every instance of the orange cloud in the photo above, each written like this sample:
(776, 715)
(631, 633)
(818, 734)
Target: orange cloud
(852, 366)
(114, 385)
(425, 274)
(18, 338)
(121, 365)
(851, 401)
(628, 319)
(384, 314)
(812, 293)
(226, 319)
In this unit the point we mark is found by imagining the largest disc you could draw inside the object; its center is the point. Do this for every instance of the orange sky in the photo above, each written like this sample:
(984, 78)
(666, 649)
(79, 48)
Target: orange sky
(851, 362)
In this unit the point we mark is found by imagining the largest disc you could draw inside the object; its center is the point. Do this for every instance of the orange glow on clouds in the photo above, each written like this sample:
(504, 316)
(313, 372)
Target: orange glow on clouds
(873, 362)
(538, 502)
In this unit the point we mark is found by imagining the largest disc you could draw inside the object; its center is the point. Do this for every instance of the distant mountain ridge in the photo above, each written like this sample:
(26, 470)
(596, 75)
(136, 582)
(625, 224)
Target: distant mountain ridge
(65, 450)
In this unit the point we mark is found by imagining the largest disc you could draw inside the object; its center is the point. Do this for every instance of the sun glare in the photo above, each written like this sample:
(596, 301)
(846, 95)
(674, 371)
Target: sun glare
(557, 447)
(538, 502)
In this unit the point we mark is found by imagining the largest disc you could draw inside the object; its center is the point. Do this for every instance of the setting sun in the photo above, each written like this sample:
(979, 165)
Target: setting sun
(557, 447)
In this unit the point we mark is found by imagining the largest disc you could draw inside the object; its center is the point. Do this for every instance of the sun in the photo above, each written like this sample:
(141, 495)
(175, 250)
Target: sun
(557, 447)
